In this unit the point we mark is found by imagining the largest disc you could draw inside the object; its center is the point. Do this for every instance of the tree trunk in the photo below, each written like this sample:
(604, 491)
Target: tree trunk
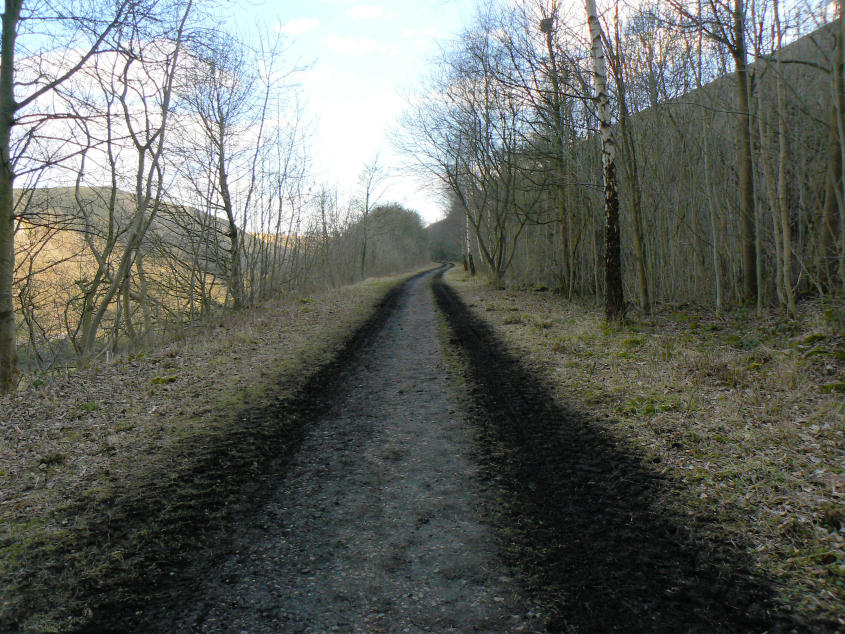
(711, 198)
(839, 85)
(468, 252)
(144, 300)
(771, 187)
(236, 285)
(364, 250)
(633, 170)
(557, 116)
(120, 278)
(613, 301)
(828, 229)
(744, 166)
(8, 351)
(786, 230)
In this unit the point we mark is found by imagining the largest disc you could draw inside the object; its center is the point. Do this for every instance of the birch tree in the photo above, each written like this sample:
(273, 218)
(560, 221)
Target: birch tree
(614, 304)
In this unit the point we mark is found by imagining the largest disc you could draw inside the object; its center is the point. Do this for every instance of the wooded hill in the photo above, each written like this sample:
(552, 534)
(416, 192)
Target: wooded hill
(70, 243)
(511, 127)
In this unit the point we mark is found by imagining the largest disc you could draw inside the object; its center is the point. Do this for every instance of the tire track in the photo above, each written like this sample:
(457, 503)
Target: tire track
(380, 520)
(589, 543)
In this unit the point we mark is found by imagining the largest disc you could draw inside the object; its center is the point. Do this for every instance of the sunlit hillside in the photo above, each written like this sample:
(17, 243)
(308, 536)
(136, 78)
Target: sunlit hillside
(69, 246)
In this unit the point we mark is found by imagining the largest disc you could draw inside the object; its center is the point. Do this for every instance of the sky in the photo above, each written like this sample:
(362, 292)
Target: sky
(364, 59)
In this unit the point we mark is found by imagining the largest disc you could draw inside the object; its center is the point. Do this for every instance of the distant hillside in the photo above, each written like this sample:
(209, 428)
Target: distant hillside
(102, 213)
(70, 244)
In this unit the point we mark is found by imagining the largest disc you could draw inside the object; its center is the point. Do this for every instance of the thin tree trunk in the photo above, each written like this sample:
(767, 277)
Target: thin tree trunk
(744, 165)
(127, 311)
(364, 243)
(613, 305)
(8, 343)
(759, 262)
(786, 230)
(711, 198)
(144, 299)
(771, 187)
(839, 86)
(632, 169)
(828, 253)
(469, 261)
(236, 285)
(547, 26)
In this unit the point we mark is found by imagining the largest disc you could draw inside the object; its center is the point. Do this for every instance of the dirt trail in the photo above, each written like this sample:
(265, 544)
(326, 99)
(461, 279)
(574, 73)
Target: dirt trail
(379, 522)
(428, 495)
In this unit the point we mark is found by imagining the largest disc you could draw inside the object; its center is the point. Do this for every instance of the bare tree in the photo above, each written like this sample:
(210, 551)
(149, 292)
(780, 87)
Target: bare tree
(618, 65)
(222, 100)
(472, 134)
(145, 89)
(614, 305)
(725, 23)
(371, 182)
(93, 31)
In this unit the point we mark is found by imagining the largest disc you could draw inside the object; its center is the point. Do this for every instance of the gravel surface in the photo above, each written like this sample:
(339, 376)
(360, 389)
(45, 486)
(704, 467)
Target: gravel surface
(379, 523)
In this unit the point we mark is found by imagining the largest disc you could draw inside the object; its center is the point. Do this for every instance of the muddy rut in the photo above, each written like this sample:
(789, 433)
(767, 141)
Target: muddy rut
(428, 494)
(379, 522)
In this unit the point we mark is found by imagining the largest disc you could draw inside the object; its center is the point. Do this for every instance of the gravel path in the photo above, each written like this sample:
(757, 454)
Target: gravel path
(417, 494)
(379, 523)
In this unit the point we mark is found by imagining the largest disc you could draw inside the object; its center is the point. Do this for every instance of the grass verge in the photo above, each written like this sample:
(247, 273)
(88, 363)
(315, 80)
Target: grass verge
(744, 417)
(110, 477)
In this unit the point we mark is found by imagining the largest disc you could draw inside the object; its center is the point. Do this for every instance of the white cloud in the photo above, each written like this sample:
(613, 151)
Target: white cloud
(430, 33)
(365, 12)
(299, 25)
(326, 76)
(354, 45)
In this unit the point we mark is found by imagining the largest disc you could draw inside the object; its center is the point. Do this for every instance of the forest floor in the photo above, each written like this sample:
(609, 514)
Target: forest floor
(742, 417)
(441, 473)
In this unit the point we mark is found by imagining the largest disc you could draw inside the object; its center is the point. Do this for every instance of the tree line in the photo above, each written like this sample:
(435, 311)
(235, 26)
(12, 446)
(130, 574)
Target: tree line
(154, 167)
(716, 126)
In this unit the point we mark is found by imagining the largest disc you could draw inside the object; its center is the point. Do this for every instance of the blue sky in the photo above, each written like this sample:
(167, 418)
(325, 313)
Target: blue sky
(364, 58)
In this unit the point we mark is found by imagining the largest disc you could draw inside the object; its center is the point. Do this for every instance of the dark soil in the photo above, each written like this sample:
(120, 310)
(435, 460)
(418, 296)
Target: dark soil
(415, 494)
(126, 539)
(378, 521)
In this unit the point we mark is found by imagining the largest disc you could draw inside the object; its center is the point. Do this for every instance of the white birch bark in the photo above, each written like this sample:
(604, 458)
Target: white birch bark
(614, 307)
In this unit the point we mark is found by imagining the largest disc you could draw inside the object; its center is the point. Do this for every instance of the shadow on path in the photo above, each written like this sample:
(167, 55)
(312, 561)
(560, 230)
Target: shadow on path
(177, 527)
(578, 521)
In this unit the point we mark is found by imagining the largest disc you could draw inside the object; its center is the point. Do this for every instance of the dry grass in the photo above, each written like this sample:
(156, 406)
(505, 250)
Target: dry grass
(84, 435)
(745, 416)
